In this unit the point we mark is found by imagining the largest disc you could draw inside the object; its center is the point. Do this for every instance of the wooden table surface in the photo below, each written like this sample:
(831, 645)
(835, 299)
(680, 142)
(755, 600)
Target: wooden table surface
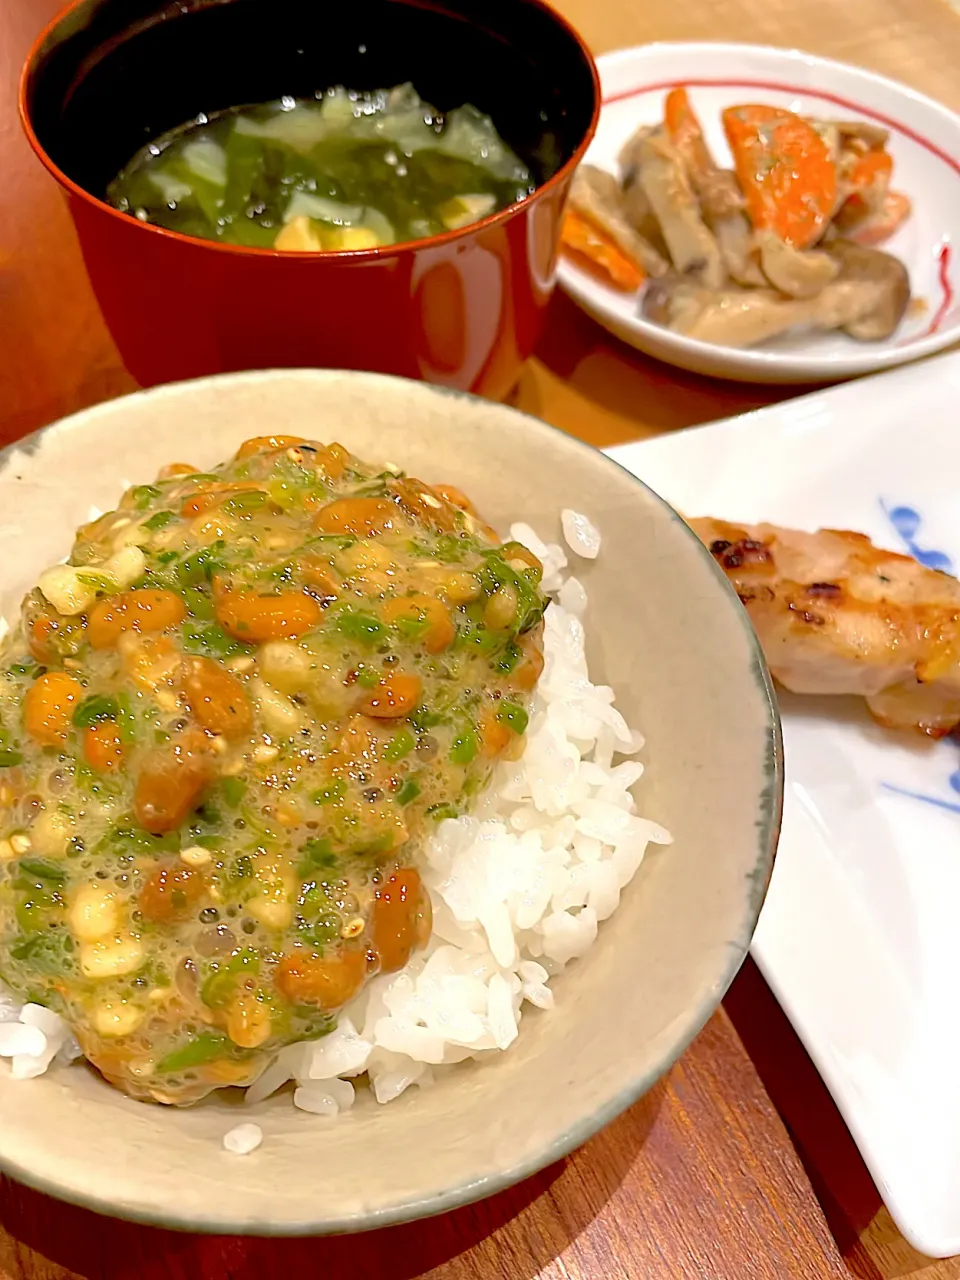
(737, 1164)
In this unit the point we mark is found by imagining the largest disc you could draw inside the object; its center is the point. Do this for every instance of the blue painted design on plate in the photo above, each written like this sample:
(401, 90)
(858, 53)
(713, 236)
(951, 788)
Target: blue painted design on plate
(935, 801)
(907, 522)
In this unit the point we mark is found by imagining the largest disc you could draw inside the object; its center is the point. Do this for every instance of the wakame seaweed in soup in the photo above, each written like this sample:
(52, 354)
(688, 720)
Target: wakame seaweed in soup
(226, 726)
(343, 171)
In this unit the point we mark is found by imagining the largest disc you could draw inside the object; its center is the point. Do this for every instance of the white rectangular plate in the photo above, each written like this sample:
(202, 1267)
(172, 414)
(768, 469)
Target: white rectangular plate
(859, 936)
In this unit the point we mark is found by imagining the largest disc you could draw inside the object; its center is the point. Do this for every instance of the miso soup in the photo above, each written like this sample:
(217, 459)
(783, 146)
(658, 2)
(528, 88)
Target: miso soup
(345, 170)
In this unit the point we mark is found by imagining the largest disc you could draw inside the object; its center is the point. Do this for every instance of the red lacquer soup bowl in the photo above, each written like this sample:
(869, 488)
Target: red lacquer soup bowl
(463, 309)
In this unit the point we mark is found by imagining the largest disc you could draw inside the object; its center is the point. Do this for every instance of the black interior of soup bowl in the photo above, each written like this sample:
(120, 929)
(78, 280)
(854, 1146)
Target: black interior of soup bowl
(114, 74)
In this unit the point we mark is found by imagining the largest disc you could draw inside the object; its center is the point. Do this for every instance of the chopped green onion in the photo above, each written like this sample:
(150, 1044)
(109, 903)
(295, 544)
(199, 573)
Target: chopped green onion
(242, 867)
(233, 790)
(331, 792)
(317, 853)
(144, 494)
(200, 567)
(241, 503)
(441, 811)
(49, 952)
(126, 720)
(423, 718)
(99, 580)
(497, 573)
(199, 604)
(412, 629)
(210, 640)
(94, 708)
(408, 792)
(359, 626)
(326, 928)
(509, 658)
(218, 989)
(400, 745)
(465, 747)
(475, 635)
(43, 869)
(204, 1047)
(159, 520)
(514, 716)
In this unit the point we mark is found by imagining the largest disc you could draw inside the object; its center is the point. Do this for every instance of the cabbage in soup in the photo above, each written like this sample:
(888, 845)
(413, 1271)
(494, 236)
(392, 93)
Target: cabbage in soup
(344, 171)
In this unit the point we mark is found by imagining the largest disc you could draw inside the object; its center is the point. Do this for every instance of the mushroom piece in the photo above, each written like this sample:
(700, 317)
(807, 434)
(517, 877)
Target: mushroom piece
(799, 273)
(717, 190)
(636, 206)
(723, 211)
(844, 302)
(596, 195)
(737, 249)
(829, 131)
(745, 317)
(628, 158)
(881, 274)
(728, 317)
(640, 215)
(721, 199)
(663, 177)
(873, 135)
(722, 202)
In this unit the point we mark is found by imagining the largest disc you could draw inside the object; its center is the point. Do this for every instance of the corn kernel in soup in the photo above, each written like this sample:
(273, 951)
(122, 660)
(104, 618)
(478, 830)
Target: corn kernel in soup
(343, 171)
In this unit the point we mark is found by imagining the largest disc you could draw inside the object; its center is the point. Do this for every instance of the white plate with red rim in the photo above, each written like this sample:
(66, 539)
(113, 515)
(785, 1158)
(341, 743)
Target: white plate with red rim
(925, 146)
(858, 935)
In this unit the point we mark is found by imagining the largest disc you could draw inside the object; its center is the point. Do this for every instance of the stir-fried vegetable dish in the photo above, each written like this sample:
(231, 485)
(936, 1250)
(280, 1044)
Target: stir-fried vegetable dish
(343, 171)
(785, 239)
(225, 726)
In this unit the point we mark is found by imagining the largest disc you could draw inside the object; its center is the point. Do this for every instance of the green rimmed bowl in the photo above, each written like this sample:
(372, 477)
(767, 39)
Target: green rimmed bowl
(664, 628)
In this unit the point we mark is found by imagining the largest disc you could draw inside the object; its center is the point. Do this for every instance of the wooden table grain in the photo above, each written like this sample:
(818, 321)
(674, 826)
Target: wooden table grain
(737, 1165)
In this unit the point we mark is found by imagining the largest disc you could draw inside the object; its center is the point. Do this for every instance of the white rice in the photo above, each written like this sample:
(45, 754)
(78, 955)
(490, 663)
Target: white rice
(518, 890)
(580, 534)
(32, 1037)
(242, 1139)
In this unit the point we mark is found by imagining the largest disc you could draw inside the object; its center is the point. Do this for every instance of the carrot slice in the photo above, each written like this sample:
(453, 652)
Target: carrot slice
(880, 226)
(788, 178)
(685, 132)
(873, 169)
(583, 237)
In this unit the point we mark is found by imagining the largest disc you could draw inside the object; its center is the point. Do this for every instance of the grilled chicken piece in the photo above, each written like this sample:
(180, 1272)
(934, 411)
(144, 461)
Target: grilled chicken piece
(837, 615)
